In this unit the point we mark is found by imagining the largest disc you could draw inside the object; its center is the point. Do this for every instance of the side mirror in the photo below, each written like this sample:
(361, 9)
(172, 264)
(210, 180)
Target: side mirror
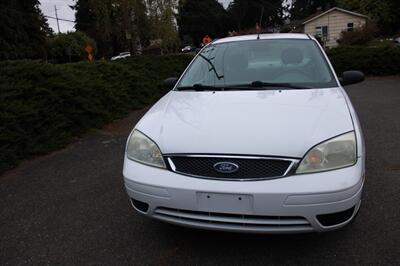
(169, 83)
(351, 77)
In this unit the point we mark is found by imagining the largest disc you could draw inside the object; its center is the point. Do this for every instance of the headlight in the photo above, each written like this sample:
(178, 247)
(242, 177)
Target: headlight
(332, 154)
(142, 149)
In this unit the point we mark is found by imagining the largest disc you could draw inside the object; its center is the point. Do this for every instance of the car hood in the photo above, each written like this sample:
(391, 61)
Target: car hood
(271, 123)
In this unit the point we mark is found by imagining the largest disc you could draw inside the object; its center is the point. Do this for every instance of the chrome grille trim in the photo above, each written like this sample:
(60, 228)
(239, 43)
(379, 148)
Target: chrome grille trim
(171, 164)
(293, 164)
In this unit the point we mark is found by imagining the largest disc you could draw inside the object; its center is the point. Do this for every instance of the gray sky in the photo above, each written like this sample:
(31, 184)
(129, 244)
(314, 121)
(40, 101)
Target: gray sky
(225, 2)
(65, 12)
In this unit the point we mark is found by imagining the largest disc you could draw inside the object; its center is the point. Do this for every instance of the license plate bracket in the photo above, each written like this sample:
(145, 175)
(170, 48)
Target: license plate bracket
(225, 203)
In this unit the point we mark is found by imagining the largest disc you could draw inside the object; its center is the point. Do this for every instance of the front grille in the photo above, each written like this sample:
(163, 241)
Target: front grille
(233, 221)
(248, 168)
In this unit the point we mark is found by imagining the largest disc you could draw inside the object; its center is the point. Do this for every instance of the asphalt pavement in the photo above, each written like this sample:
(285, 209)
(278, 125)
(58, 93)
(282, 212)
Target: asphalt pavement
(70, 207)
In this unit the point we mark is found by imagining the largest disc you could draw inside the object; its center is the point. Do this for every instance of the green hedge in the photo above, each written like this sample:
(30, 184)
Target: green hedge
(43, 106)
(372, 61)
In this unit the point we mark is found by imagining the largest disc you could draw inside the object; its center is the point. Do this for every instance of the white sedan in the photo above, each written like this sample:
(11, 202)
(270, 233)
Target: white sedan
(123, 55)
(187, 49)
(257, 135)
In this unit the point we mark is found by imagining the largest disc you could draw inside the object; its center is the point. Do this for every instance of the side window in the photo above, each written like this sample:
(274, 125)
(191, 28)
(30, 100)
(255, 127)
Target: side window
(350, 26)
(325, 32)
(321, 32)
(318, 31)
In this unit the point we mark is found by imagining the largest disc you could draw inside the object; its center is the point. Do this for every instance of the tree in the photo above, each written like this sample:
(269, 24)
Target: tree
(246, 13)
(85, 17)
(93, 17)
(116, 25)
(130, 25)
(385, 13)
(162, 24)
(198, 18)
(396, 10)
(23, 29)
(301, 9)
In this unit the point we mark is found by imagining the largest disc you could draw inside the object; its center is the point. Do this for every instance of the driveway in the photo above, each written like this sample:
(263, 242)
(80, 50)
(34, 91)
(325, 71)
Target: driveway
(70, 207)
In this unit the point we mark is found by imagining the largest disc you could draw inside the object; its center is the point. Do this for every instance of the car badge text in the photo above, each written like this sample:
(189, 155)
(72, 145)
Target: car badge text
(226, 167)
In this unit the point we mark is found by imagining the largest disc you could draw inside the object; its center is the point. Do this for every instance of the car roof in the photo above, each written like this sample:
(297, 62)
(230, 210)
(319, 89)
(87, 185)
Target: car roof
(269, 36)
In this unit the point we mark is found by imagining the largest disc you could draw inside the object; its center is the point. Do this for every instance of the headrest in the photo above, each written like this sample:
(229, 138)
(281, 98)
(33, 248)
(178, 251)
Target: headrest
(292, 56)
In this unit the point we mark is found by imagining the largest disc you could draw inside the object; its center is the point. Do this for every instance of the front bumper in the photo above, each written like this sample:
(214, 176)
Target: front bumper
(286, 205)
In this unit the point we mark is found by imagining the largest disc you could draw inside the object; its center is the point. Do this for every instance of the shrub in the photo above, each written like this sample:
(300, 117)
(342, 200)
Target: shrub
(43, 106)
(68, 47)
(372, 61)
(359, 36)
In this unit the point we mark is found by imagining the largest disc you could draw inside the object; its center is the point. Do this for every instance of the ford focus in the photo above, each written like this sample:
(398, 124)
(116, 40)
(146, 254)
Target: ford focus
(257, 135)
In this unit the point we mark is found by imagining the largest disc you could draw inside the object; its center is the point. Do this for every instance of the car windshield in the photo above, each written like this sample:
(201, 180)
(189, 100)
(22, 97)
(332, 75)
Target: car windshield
(295, 63)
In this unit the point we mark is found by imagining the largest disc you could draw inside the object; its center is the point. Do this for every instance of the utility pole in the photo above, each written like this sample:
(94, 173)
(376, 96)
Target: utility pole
(58, 23)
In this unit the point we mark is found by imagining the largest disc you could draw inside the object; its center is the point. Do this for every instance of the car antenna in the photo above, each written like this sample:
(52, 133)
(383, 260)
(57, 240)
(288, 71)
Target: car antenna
(259, 24)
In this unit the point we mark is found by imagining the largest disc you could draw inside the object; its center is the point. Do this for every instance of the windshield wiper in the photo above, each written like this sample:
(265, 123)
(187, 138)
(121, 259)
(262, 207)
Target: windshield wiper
(199, 87)
(262, 85)
(256, 85)
(208, 60)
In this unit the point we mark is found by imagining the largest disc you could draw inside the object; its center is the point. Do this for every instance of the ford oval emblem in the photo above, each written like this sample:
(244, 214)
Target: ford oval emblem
(226, 167)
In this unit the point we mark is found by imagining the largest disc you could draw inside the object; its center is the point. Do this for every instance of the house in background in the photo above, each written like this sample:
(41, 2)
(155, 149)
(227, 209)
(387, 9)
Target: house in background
(329, 25)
